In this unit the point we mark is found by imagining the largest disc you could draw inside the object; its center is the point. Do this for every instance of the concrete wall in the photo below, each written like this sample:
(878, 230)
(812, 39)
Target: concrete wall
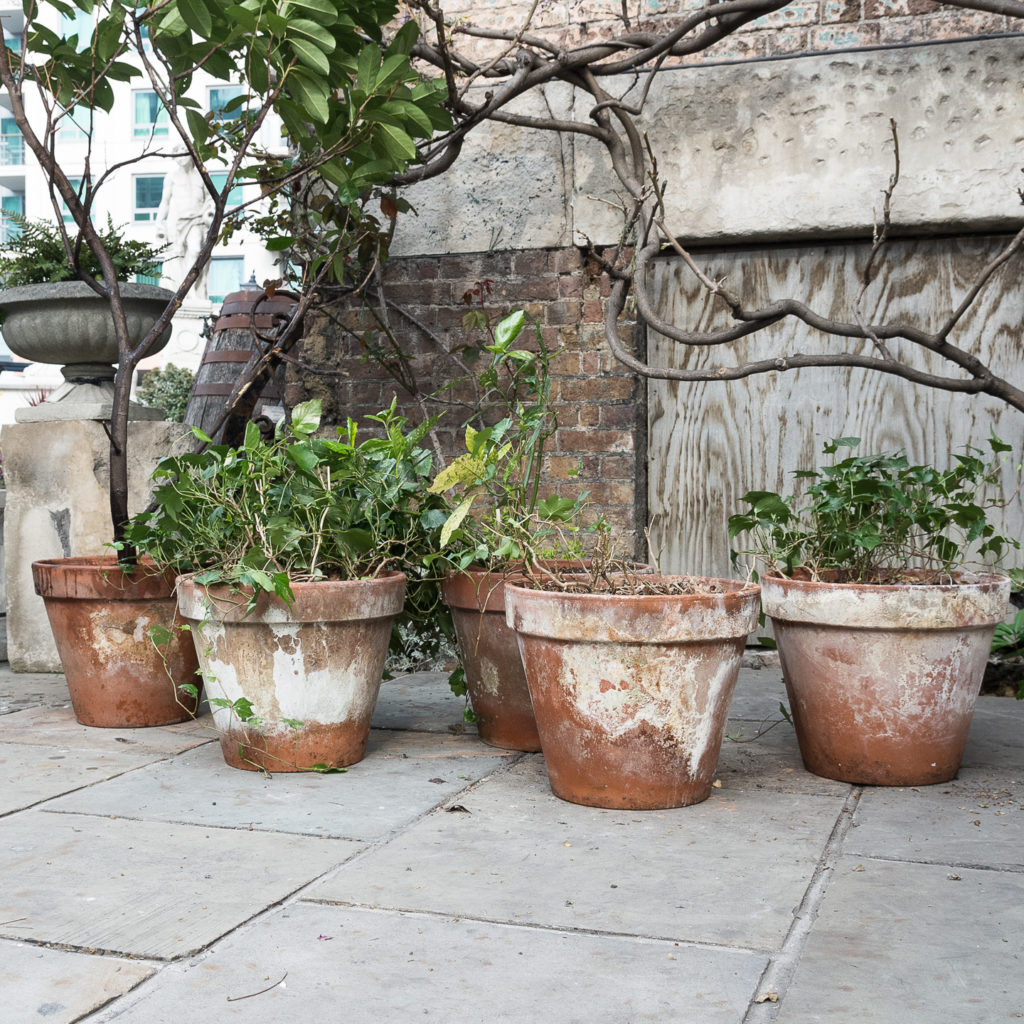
(56, 475)
(758, 151)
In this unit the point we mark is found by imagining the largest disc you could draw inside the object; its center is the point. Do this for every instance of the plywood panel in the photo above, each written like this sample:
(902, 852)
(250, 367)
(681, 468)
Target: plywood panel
(711, 442)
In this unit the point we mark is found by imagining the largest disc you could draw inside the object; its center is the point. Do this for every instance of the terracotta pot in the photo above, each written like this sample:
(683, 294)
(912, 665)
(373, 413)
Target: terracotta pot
(101, 620)
(882, 680)
(632, 693)
(317, 662)
(490, 655)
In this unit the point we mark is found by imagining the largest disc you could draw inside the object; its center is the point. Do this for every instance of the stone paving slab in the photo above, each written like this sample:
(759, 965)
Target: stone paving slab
(30, 773)
(20, 690)
(365, 967)
(57, 727)
(996, 737)
(401, 778)
(770, 760)
(907, 943)
(758, 694)
(422, 701)
(727, 871)
(977, 819)
(59, 987)
(143, 888)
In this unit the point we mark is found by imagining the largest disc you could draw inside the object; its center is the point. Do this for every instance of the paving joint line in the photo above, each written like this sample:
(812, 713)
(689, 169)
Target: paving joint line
(781, 968)
(1013, 869)
(535, 926)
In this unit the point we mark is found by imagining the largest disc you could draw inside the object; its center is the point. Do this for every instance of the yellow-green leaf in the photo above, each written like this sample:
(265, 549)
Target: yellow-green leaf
(454, 520)
(463, 470)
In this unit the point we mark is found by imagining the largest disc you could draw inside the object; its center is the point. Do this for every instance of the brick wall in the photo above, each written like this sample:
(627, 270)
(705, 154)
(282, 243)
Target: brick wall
(807, 26)
(601, 408)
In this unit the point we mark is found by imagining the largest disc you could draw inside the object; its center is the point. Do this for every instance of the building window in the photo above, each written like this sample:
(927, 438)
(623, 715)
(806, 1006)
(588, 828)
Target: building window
(149, 190)
(80, 24)
(220, 96)
(65, 213)
(71, 128)
(225, 277)
(150, 114)
(235, 196)
(13, 203)
(12, 145)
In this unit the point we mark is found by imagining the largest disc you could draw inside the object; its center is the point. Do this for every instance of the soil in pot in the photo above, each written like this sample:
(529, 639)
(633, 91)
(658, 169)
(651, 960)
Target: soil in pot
(101, 620)
(310, 670)
(882, 680)
(632, 692)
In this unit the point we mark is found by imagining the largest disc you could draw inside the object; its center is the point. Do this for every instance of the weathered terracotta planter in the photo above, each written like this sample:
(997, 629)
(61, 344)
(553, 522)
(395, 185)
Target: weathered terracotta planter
(632, 693)
(490, 656)
(882, 680)
(318, 662)
(101, 622)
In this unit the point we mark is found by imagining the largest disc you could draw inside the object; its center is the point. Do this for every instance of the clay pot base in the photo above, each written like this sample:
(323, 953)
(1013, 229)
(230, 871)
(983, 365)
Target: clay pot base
(132, 707)
(334, 746)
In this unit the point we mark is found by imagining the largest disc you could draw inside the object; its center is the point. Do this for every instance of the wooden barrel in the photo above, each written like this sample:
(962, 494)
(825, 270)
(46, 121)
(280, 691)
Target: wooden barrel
(230, 349)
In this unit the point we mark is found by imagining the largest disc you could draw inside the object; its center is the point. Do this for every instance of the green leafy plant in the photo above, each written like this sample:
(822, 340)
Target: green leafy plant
(868, 518)
(297, 507)
(497, 518)
(167, 388)
(1008, 645)
(37, 254)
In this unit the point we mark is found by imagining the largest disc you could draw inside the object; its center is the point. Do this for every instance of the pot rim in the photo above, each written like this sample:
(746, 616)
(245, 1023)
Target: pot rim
(975, 600)
(959, 578)
(739, 588)
(343, 599)
(635, 618)
(44, 290)
(86, 577)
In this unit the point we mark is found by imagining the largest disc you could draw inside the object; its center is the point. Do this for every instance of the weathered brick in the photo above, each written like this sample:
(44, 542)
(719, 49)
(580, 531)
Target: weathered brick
(625, 415)
(530, 263)
(841, 37)
(841, 10)
(595, 440)
(595, 389)
(791, 14)
(565, 467)
(617, 467)
(874, 9)
(564, 311)
(565, 261)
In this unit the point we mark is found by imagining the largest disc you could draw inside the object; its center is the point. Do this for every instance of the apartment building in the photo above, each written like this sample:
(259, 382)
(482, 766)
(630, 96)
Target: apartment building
(151, 192)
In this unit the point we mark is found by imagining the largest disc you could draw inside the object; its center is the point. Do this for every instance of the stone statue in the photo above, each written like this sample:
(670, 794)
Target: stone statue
(182, 222)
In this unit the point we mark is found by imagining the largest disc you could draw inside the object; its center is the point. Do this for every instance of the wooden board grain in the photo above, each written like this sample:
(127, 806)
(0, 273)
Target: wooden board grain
(712, 442)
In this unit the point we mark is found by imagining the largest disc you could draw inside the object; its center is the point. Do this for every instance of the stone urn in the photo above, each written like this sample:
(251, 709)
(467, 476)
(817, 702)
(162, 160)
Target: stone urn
(67, 323)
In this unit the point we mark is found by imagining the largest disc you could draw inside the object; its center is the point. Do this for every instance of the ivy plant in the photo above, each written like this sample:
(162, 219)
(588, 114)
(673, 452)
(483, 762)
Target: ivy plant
(868, 518)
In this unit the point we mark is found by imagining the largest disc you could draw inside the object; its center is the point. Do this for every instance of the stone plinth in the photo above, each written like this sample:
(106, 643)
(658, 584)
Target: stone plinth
(57, 477)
